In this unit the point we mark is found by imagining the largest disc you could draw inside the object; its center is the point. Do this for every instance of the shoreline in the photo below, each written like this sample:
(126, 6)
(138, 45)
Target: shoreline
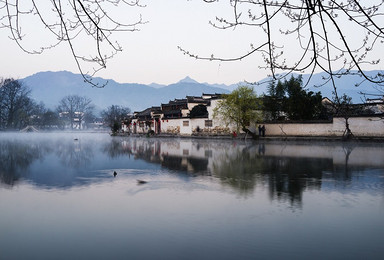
(365, 139)
(267, 138)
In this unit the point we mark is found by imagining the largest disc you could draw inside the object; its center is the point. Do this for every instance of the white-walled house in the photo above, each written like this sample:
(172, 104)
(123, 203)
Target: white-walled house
(174, 118)
(75, 121)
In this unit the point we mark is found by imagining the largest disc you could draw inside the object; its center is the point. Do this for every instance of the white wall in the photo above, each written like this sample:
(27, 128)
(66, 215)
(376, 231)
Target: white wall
(360, 126)
(171, 126)
(141, 130)
(176, 126)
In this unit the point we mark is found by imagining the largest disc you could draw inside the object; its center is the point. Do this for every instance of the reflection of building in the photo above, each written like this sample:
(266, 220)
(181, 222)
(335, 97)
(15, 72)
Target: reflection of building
(288, 169)
(182, 155)
(97, 124)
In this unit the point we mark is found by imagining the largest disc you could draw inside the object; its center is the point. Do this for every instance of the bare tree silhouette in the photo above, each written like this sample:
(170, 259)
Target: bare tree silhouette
(67, 21)
(334, 36)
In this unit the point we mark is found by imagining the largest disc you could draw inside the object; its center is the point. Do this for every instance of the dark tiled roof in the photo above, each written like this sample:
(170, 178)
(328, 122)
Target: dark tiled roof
(172, 112)
(197, 100)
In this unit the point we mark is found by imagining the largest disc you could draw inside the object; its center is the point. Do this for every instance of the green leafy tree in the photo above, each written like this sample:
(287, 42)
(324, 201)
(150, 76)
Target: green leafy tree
(273, 102)
(301, 104)
(241, 107)
(289, 98)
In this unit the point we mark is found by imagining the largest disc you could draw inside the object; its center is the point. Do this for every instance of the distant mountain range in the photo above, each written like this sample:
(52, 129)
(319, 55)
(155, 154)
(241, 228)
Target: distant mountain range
(51, 87)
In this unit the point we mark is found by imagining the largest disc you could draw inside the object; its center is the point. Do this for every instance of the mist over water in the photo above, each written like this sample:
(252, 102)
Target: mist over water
(203, 199)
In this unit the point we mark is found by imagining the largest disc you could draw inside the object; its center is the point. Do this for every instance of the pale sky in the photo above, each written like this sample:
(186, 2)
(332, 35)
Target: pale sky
(151, 55)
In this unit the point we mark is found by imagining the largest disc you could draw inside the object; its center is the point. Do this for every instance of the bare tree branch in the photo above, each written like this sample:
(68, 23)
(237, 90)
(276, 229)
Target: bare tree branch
(339, 37)
(68, 20)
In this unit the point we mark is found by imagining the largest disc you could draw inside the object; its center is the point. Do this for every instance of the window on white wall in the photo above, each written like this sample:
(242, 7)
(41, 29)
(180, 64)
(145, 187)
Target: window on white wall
(185, 123)
(208, 123)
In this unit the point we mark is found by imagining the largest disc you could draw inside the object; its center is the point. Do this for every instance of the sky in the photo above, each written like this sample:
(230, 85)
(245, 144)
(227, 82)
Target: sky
(151, 55)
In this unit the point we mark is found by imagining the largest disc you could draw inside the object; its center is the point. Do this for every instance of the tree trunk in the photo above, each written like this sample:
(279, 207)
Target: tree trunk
(347, 133)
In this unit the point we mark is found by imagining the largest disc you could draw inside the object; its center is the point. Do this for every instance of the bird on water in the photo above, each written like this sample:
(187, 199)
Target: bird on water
(141, 182)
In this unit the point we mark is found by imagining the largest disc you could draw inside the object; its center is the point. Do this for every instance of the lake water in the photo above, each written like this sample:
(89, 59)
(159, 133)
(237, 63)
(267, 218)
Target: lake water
(204, 199)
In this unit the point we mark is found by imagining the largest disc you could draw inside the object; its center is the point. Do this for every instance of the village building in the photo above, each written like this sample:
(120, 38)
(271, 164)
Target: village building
(74, 120)
(375, 105)
(177, 117)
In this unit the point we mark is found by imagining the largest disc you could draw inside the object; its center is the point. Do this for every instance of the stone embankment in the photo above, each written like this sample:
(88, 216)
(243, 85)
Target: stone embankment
(261, 139)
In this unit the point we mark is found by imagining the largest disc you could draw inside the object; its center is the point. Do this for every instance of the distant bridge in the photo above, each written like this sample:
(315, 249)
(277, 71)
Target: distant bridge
(29, 128)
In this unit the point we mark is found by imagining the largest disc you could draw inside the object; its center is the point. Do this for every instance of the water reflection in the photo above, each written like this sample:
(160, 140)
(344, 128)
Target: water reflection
(287, 170)
(45, 160)
(16, 157)
(74, 153)
(204, 199)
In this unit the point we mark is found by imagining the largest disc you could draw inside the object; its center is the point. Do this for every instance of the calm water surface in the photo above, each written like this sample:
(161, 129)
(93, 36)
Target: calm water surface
(202, 200)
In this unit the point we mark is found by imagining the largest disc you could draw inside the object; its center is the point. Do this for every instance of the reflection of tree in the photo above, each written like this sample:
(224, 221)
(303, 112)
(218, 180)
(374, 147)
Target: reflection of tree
(347, 148)
(173, 163)
(239, 166)
(16, 157)
(148, 151)
(198, 165)
(116, 148)
(288, 177)
(343, 173)
(75, 154)
(192, 165)
(238, 170)
(56, 155)
(242, 168)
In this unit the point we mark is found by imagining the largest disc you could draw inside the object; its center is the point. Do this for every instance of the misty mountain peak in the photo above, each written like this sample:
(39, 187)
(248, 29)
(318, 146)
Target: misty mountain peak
(187, 79)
